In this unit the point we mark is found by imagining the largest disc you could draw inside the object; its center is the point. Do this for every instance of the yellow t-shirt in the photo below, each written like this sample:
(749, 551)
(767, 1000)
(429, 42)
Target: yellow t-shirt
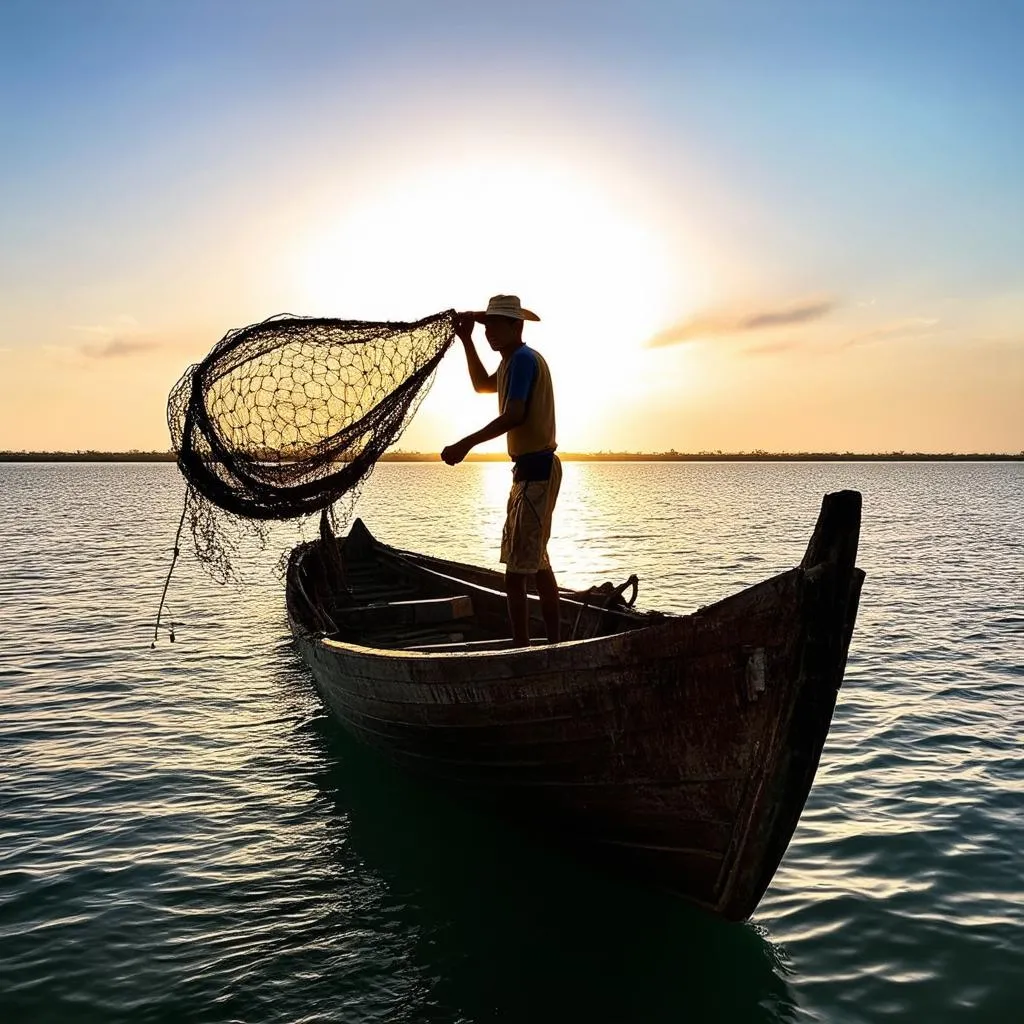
(524, 375)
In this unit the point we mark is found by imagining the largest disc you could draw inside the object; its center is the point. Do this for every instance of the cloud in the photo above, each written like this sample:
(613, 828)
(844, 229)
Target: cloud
(709, 325)
(117, 347)
(907, 328)
(123, 323)
(122, 336)
(769, 348)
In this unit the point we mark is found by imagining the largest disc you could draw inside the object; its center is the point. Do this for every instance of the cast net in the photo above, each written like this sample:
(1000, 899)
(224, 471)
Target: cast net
(286, 417)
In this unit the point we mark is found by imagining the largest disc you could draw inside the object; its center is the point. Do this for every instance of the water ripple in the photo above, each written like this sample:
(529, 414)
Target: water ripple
(184, 835)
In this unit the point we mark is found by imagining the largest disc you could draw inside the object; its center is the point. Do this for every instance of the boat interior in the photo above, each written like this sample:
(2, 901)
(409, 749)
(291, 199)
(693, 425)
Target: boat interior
(356, 590)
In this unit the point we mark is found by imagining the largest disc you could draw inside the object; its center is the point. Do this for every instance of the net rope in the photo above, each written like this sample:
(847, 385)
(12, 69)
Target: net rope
(286, 417)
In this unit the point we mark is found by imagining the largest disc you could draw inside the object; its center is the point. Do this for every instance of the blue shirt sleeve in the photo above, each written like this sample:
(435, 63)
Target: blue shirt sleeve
(522, 373)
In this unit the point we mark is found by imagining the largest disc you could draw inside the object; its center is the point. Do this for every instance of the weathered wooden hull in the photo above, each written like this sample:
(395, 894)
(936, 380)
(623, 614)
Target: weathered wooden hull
(681, 748)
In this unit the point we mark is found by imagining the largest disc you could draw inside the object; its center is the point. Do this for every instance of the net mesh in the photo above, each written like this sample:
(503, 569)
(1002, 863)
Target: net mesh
(286, 417)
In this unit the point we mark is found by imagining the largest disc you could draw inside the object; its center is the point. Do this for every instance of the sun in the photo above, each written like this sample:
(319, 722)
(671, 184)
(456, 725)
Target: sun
(449, 235)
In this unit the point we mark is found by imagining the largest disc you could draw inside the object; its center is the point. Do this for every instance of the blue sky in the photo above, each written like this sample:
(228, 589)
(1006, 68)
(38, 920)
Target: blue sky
(166, 165)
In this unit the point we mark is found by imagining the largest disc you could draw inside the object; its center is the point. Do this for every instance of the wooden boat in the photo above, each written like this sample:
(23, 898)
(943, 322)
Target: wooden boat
(680, 748)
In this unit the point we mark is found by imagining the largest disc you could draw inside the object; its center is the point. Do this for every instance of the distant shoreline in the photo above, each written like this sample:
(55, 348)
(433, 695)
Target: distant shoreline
(670, 456)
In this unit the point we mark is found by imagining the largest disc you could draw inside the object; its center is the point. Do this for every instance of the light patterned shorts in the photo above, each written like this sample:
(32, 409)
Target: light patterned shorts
(524, 540)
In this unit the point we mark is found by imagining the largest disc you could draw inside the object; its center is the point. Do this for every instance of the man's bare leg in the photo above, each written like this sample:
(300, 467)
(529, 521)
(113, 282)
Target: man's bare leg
(547, 591)
(515, 588)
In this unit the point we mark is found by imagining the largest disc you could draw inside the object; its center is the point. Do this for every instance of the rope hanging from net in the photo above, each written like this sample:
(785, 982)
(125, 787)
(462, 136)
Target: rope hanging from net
(285, 417)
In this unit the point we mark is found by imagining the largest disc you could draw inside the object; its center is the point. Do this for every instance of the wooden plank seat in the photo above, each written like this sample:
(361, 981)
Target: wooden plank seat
(415, 638)
(466, 646)
(469, 646)
(385, 617)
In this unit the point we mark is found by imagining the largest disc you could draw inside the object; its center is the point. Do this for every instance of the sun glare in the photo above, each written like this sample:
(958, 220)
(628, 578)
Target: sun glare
(599, 276)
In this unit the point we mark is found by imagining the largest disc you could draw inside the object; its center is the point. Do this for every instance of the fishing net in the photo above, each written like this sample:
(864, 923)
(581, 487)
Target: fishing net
(286, 417)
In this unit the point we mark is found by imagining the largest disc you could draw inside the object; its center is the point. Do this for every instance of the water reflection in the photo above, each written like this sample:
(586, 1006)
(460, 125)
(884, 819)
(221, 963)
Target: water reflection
(507, 929)
(185, 839)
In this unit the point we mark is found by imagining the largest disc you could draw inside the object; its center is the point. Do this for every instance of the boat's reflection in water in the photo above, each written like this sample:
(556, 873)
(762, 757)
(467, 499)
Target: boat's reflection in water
(509, 929)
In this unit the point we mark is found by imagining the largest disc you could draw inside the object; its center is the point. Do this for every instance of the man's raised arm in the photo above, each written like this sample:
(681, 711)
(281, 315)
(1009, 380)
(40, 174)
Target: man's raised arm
(483, 381)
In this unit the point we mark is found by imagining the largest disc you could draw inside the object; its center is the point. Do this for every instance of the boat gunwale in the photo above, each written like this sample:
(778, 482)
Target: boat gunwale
(647, 621)
(534, 650)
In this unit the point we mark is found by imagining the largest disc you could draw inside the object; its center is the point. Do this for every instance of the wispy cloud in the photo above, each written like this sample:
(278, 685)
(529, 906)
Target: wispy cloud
(770, 348)
(117, 347)
(904, 329)
(123, 323)
(122, 336)
(708, 325)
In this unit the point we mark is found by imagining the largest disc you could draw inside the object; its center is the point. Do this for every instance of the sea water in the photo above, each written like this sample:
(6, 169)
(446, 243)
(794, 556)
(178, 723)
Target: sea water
(186, 836)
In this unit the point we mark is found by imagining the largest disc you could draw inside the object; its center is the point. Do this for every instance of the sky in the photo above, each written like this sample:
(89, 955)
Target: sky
(761, 225)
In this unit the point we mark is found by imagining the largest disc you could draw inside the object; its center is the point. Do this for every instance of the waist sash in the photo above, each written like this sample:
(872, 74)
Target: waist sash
(532, 466)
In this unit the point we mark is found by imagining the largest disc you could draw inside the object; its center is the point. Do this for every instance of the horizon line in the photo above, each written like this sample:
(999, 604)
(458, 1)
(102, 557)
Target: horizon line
(671, 455)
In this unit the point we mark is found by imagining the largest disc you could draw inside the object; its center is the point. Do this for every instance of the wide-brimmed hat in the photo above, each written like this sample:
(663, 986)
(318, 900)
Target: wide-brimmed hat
(505, 305)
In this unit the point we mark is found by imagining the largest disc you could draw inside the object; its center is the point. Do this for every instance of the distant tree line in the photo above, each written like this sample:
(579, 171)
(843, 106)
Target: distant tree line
(758, 455)
(90, 455)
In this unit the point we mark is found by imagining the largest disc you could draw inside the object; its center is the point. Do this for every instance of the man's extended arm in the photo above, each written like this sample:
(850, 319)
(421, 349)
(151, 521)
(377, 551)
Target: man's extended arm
(514, 414)
(483, 382)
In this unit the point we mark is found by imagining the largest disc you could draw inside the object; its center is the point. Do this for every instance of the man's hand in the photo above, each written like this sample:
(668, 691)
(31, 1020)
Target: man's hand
(464, 323)
(455, 453)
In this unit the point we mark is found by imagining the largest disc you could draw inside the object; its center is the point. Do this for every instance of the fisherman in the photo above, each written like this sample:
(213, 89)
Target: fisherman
(526, 406)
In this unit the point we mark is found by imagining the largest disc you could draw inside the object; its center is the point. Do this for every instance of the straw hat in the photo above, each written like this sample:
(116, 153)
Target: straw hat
(505, 305)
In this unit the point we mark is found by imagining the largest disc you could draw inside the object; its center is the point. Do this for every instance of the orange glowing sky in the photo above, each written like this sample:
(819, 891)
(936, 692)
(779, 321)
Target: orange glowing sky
(740, 233)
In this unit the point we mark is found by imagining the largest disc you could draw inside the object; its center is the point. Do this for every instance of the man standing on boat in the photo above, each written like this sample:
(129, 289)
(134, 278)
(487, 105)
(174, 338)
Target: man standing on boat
(526, 407)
